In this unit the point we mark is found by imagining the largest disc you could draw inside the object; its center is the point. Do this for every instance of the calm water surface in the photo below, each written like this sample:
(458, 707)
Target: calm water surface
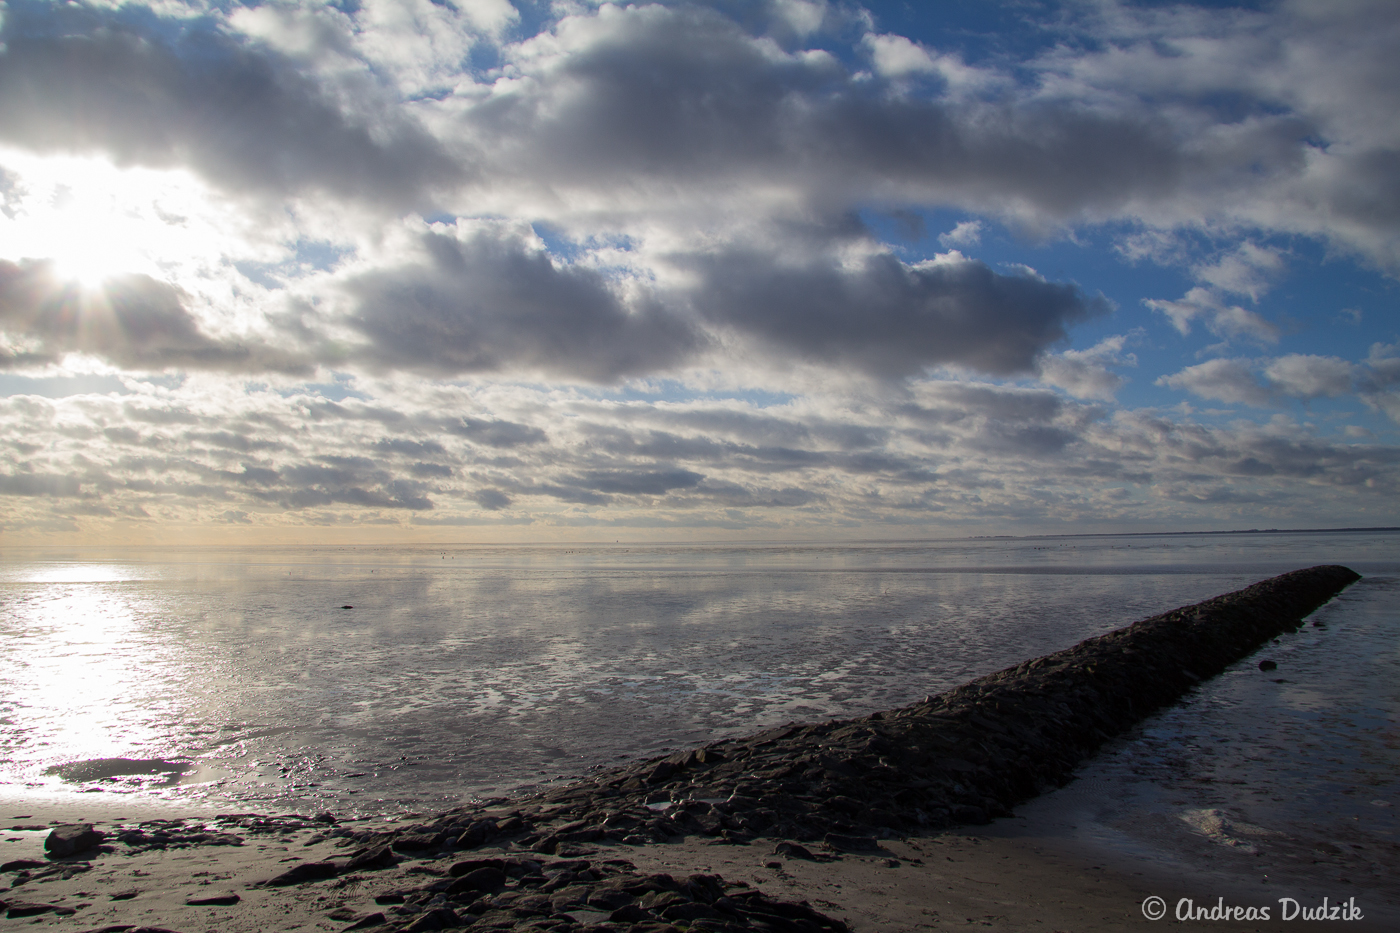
(234, 677)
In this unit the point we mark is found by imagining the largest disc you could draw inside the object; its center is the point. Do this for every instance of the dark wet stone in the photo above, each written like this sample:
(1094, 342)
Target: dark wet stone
(300, 874)
(844, 843)
(483, 879)
(417, 842)
(439, 918)
(71, 839)
(793, 850)
(20, 864)
(372, 860)
(1268, 665)
(630, 913)
(511, 826)
(609, 899)
(966, 813)
(213, 900)
(475, 834)
(470, 865)
(690, 911)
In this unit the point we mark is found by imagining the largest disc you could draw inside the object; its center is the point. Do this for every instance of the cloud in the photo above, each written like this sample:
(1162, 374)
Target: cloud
(1303, 376)
(1225, 380)
(729, 119)
(133, 321)
(1085, 373)
(480, 301)
(966, 233)
(493, 500)
(886, 317)
(1246, 270)
(1221, 319)
(895, 56)
(1307, 376)
(247, 119)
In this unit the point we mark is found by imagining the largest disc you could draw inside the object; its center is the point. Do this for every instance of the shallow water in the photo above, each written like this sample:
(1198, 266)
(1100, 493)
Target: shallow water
(1261, 783)
(235, 678)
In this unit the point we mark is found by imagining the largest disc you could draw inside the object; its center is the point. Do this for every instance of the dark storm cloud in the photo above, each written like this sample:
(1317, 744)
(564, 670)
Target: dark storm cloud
(135, 322)
(490, 302)
(164, 93)
(889, 318)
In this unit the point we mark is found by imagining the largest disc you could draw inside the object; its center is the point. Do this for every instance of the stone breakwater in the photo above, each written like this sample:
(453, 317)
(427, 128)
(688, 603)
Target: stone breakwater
(963, 756)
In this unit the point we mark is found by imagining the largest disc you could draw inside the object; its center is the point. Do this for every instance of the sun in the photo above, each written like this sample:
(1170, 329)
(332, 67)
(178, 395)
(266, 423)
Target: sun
(93, 221)
(89, 243)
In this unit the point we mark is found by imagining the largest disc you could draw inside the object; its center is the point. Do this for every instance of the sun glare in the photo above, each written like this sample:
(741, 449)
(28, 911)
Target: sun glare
(93, 220)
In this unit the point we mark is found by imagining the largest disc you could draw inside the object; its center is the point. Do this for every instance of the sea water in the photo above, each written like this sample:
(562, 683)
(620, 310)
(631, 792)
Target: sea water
(378, 680)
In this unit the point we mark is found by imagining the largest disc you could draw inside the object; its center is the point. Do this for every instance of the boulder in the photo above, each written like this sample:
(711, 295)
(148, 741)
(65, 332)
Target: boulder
(375, 858)
(71, 839)
(300, 874)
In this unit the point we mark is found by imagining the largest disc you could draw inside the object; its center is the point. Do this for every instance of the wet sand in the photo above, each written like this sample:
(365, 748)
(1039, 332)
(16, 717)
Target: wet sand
(1021, 873)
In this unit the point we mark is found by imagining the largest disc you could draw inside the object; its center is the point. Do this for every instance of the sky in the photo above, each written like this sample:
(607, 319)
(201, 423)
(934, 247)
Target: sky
(416, 271)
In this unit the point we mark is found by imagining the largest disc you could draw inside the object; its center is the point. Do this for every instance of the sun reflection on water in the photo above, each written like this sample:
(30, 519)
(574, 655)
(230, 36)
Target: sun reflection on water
(86, 680)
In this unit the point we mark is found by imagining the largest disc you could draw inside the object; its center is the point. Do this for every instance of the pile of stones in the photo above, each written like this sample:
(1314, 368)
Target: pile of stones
(567, 895)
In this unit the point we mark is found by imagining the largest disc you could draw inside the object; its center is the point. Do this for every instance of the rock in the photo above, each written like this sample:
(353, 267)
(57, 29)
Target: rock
(372, 920)
(475, 834)
(20, 864)
(630, 913)
(609, 899)
(372, 860)
(213, 900)
(1268, 665)
(488, 880)
(126, 895)
(417, 842)
(307, 871)
(793, 850)
(844, 843)
(459, 869)
(967, 813)
(18, 909)
(510, 826)
(439, 918)
(71, 839)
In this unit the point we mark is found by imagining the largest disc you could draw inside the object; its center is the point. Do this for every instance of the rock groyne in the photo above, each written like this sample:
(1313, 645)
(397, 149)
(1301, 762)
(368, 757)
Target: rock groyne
(963, 756)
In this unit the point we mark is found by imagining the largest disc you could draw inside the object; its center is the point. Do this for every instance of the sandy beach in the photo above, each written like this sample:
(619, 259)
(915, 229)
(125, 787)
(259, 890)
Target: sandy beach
(1020, 873)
